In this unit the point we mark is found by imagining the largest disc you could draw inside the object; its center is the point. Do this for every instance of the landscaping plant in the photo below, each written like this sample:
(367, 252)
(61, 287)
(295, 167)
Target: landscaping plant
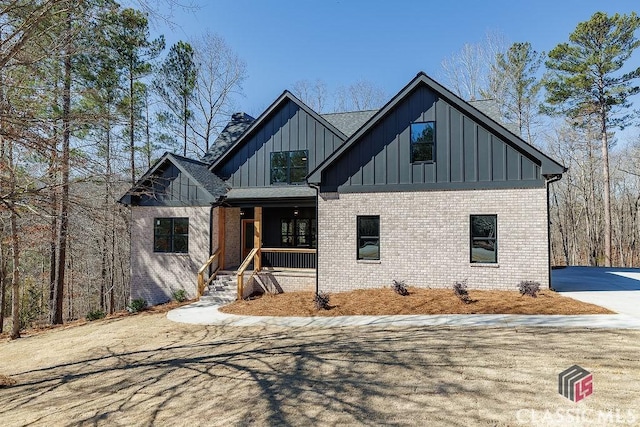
(528, 287)
(95, 315)
(461, 291)
(180, 295)
(400, 288)
(321, 300)
(137, 305)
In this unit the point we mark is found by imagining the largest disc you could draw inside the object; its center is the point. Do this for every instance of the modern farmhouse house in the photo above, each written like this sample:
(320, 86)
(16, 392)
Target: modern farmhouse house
(428, 189)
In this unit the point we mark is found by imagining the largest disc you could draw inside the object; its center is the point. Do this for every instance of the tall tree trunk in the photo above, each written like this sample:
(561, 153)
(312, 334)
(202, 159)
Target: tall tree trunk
(63, 216)
(15, 277)
(54, 224)
(15, 250)
(607, 189)
(132, 142)
(3, 281)
(147, 129)
(185, 116)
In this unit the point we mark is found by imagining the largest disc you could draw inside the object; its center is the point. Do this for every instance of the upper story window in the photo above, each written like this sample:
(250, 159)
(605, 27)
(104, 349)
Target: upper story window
(289, 167)
(171, 235)
(484, 238)
(423, 142)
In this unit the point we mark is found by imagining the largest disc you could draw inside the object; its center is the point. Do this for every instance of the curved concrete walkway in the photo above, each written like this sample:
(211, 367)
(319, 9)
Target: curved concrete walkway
(206, 313)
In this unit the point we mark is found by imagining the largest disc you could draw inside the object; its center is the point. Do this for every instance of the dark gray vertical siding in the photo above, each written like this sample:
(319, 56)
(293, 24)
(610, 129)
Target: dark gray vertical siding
(289, 129)
(484, 155)
(513, 164)
(443, 133)
(465, 152)
(455, 146)
(470, 149)
(175, 189)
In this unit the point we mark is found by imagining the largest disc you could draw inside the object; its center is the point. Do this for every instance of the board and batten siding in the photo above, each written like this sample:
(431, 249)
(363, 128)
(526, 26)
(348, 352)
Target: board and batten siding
(174, 188)
(467, 155)
(289, 128)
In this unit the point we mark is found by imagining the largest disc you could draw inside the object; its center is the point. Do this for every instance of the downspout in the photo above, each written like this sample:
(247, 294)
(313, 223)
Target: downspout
(317, 188)
(551, 180)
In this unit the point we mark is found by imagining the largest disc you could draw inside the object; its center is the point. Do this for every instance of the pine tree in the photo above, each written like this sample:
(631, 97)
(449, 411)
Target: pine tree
(586, 81)
(176, 82)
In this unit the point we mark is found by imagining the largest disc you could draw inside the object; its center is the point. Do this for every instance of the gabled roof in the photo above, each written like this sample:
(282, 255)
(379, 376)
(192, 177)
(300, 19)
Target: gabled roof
(548, 166)
(238, 124)
(195, 170)
(349, 122)
(264, 117)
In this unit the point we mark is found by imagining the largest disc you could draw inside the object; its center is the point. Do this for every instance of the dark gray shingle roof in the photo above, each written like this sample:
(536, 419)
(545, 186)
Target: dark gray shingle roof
(349, 122)
(237, 126)
(491, 108)
(199, 171)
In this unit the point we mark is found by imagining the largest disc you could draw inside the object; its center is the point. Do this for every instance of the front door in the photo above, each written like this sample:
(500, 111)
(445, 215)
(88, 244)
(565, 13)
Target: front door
(247, 237)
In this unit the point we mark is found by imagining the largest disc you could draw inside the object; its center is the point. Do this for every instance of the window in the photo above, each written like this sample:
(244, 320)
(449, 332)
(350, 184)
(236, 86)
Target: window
(171, 235)
(289, 167)
(296, 232)
(368, 237)
(423, 141)
(484, 238)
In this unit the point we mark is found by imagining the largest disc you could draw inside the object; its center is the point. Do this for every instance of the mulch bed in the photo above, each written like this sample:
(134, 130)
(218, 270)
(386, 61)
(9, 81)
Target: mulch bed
(385, 301)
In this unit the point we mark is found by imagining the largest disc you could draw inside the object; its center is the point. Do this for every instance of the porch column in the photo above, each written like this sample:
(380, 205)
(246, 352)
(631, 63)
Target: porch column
(257, 236)
(221, 223)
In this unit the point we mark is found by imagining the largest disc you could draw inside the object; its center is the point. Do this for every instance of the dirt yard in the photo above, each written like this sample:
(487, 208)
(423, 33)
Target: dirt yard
(385, 301)
(146, 370)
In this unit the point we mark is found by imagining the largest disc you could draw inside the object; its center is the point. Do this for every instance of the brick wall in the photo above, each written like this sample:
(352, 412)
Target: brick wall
(154, 276)
(424, 239)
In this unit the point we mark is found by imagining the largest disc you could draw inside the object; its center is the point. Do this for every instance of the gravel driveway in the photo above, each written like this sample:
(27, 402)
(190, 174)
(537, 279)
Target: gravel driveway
(146, 370)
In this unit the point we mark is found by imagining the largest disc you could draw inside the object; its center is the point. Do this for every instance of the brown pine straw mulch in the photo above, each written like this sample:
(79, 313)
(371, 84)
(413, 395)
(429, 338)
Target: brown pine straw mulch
(385, 301)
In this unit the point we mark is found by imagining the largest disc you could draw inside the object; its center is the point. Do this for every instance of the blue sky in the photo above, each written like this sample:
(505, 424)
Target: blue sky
(386, 42)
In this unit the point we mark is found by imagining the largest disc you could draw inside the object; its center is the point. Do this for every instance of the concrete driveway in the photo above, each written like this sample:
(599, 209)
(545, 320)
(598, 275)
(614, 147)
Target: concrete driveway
(617, 289)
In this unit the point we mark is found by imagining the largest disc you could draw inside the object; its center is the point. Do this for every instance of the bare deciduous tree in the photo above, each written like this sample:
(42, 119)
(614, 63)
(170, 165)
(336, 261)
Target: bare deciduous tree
(221, 73)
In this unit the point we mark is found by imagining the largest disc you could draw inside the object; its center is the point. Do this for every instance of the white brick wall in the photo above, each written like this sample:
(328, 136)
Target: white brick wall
(154, 276)
(424, 239)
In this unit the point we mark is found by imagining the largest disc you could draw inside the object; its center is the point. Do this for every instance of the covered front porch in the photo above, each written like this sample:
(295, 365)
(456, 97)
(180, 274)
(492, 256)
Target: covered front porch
(266, 238)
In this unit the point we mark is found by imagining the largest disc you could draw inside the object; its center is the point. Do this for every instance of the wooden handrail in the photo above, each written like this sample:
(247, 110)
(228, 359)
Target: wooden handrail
(201, 272)
(289, 250)
(240, 272)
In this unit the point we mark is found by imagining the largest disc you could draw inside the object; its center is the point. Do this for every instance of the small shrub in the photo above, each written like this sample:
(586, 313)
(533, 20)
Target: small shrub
(180, 295)
(136, 305)
(400, 288)
(95, 315)
(461, 291)
(321, 301)
(528, 287)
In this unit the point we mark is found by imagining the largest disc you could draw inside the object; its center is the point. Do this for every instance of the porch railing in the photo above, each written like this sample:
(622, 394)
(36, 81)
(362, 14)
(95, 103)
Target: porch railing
(289, 257)
(274, 257)
(204, 281)
(254, 256)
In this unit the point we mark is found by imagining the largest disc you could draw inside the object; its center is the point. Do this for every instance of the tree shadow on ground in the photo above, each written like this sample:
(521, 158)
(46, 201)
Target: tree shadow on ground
(313, 376)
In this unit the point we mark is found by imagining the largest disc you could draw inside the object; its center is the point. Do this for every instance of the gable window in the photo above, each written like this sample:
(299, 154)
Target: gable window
(368, 237)
(423, 141)
(484, 238)
(289, 167)
(171, 235)
(296, 232)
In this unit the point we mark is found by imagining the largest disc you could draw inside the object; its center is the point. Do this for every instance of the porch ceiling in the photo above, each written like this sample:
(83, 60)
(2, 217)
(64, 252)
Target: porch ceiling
(271, 196)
